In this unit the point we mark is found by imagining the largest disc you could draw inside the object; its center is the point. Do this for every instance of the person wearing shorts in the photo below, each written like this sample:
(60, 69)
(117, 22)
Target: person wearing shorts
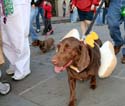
(86, 9)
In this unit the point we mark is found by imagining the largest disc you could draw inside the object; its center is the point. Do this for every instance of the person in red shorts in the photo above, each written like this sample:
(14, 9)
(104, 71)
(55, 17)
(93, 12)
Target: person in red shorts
(86, 9)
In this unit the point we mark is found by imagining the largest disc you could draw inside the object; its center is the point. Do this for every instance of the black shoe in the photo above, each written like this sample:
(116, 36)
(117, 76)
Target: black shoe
(123, 60)
(117, 49)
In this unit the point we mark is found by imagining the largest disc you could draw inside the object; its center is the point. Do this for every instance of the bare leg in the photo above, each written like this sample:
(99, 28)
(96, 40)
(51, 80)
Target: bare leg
(84, 26)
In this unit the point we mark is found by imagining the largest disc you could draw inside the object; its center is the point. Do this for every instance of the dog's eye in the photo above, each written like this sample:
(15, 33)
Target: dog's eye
(66, 46)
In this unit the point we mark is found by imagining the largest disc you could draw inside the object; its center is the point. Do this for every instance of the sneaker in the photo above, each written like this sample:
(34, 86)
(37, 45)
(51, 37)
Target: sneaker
(15, 78)
(37, 30)
(123, 60)
(117, 49)
(4, 88)
(10, 70)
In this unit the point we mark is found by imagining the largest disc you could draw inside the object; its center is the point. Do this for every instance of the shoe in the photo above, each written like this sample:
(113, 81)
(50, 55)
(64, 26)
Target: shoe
(51, 32)
(15, 78)
(4, 88)
(10, 71)
(117, 49)
(123, 60)
(35, 43)
(37, 30)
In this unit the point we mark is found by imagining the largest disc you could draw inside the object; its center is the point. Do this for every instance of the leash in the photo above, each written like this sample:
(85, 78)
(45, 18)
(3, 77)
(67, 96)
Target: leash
(94, 18)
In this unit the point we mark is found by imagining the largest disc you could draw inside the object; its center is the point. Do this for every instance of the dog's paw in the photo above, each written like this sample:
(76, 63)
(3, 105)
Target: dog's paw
(93, 87)
(72, 103)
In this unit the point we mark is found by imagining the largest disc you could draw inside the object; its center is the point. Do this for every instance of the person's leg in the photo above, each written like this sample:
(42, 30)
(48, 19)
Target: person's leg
(99, 17)
(123, 49)
(50, 27)
(114, 21)
(33, 34)
(64, 12)
(37, 21)
(104, 15)
(74, 15)
(18, 55)
(45, 30)
(84, 26)
(42, 15)
(71, 17)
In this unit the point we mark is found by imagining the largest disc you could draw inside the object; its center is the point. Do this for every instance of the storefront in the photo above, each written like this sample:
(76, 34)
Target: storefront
(57, 7)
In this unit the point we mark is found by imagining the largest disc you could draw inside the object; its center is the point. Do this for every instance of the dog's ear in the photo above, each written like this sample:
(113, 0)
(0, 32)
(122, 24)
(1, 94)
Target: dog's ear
(41, 45)
(84, 59)
(38, 42)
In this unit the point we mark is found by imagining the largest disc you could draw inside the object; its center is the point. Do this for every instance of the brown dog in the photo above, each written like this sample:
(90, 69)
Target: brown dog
(80, 60)
(46, 45)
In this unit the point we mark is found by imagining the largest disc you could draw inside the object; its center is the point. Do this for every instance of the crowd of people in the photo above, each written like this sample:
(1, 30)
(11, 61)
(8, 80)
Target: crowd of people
(44, 8)
(21, 14)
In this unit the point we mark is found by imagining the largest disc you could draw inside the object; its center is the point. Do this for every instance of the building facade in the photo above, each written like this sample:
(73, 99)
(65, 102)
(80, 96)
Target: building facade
(57, 7)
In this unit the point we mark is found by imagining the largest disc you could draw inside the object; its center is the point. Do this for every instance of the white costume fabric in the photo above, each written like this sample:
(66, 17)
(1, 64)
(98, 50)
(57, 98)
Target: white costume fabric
(15, 38)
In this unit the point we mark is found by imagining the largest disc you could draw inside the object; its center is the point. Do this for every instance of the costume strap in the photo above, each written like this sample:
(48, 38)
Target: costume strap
(7, 7)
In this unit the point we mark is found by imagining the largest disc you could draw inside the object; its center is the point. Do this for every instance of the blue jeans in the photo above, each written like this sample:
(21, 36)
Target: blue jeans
(99, 19)
(40, 12)
(114, 20)
(74, 16)
(33, 34)
(104, 19)
(64, 12)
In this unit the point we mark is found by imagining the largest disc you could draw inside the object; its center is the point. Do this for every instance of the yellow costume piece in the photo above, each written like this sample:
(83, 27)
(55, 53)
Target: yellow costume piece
(90, 39)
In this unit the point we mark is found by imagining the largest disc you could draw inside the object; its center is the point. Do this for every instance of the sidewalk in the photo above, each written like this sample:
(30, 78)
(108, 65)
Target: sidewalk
(57, 20)
(46, 88)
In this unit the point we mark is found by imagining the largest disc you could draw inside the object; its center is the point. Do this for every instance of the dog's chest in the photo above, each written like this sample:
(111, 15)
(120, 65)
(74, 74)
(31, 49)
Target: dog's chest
(79, 76)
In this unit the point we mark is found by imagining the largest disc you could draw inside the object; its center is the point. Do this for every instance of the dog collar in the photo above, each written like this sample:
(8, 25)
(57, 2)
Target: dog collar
(74, 68)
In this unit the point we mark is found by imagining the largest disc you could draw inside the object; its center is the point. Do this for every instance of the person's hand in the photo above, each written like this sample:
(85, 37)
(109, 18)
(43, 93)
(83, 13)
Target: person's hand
(73, 6)
(92, 7)
(45, 2)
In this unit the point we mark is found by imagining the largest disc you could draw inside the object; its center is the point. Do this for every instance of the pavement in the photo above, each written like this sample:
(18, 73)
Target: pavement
(43, 87)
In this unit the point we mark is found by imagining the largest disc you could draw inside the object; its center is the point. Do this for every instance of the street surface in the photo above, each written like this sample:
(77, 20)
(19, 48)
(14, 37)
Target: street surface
(43, 87)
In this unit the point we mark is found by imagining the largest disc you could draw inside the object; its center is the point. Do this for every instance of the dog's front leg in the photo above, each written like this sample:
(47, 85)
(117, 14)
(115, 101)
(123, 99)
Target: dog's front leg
(72, 85)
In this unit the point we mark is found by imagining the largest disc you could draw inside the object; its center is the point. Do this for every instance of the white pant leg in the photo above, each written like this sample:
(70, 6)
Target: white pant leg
(15, 39)
(22, 66)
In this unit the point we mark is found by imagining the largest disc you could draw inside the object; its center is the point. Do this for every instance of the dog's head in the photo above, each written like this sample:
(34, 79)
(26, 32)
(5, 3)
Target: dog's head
(42, 46)
(71, 51)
